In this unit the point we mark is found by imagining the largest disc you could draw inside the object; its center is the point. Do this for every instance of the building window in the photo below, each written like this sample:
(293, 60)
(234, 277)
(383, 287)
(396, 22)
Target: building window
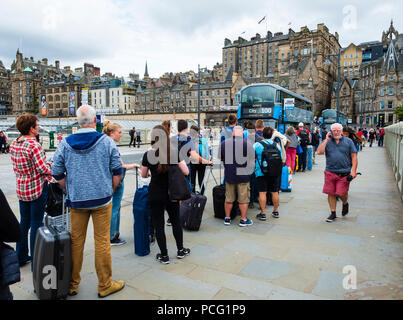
(381, 105)
(382, 92)
(390, 104)
(382, 78)
(390, 117)
(390, 91)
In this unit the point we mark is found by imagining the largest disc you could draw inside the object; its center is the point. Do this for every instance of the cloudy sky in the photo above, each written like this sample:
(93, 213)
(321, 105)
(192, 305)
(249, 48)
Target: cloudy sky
(120, 35)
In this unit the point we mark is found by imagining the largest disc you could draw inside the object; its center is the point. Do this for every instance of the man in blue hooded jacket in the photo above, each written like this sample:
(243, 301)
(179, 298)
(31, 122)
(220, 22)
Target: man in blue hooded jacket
(88, 165)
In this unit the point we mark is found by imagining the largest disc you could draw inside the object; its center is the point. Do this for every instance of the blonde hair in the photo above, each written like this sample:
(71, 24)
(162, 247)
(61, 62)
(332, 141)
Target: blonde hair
(110, 127)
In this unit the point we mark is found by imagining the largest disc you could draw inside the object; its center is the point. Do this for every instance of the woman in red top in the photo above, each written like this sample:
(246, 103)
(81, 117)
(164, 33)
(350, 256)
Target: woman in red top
(32, 174)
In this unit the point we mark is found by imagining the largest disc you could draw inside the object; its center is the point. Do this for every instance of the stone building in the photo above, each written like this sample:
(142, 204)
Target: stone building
(294, 61)
(350, 60)
(5, 90)
(381, 83)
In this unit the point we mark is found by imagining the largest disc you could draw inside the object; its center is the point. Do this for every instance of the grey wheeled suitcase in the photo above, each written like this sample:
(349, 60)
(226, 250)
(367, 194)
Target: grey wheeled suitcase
(52, 259)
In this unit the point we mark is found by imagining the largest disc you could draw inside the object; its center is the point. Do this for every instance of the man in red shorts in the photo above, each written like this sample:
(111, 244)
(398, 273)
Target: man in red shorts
(341, 162)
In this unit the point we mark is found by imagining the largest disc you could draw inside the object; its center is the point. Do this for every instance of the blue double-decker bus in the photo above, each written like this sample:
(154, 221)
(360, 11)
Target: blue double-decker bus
(330, 116)
(275, 105)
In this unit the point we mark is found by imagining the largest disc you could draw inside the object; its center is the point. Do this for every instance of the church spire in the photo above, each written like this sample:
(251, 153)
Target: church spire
(146, 72)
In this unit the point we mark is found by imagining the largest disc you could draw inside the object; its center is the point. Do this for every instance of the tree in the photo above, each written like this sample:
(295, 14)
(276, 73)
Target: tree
(399, 112)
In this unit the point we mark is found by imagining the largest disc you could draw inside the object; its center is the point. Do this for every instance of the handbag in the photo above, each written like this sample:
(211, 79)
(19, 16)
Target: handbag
(178, 186)
(9, 266)
(299, 149)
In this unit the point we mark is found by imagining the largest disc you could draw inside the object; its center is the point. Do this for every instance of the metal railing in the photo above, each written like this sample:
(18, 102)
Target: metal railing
(394, 145)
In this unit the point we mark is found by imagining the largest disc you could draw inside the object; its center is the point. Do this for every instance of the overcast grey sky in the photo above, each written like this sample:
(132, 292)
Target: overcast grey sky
(120, 35)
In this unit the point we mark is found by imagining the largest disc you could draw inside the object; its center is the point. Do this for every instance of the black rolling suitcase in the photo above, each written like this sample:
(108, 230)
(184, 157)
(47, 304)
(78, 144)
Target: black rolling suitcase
(52, 258)
(219, 200)
(191, 210)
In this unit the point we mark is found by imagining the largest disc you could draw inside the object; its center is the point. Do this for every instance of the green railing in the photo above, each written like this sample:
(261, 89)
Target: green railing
(394, 145)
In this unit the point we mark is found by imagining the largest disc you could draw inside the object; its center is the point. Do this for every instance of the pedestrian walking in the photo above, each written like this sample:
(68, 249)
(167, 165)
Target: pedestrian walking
(32, 174)
(304, 142)
(138, 138)
(132, 134)
(371, 137)
(10, 231)
(341, 168)
(237, 154)
(315, 143)
(157, 161)
(88, 165)
(268, 170)
(381, 134)
(114, 131)
(3, 142)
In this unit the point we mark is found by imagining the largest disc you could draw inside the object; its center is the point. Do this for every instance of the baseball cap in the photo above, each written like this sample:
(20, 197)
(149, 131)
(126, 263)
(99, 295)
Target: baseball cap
(300, 124)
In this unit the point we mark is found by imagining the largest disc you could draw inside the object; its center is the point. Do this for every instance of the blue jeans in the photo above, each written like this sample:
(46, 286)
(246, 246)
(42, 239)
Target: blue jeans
(116, 202)
(309, 153)
(31, 213)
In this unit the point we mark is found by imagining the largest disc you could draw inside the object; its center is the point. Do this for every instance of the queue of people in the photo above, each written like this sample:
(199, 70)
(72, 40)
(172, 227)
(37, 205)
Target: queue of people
(253, 157)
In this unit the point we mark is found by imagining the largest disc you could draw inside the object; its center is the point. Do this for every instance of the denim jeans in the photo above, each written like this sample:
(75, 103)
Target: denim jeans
(116, 202)
(302, 159)
(31, 213)
(309, 153)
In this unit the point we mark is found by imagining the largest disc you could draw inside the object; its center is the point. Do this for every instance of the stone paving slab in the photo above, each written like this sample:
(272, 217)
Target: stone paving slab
(298, 256)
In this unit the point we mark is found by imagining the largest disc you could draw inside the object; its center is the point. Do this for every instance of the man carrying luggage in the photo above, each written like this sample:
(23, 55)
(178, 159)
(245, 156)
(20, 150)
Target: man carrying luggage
(88, 165)
(238, 157)
(341, 163)
(268, 171)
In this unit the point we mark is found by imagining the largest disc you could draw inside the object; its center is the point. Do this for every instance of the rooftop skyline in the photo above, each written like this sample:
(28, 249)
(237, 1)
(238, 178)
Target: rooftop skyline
(120, 36)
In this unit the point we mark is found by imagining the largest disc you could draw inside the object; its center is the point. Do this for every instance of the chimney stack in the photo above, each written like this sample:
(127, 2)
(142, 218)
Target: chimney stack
(57, 63)
(45, 61)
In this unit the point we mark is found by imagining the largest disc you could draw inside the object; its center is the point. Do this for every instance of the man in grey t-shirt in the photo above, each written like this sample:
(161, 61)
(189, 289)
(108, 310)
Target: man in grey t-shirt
(341, 161)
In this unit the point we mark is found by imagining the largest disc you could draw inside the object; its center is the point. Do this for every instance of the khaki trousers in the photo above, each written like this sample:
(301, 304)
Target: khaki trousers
(101, 218)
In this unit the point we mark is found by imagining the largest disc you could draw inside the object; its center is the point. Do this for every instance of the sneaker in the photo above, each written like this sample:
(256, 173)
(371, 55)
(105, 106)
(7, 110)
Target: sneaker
(275, 215)
(115, 287)
(261, 217)
(169, 222)
(72, 292)
(245, 223)
(117, 242)
(331, 218)
(162, 259)
(344, 212)
(227, 221)
(183, 253)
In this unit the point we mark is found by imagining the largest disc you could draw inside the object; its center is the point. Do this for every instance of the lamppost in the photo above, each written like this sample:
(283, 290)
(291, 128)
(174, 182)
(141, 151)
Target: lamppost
(327, 63)
(198, 99)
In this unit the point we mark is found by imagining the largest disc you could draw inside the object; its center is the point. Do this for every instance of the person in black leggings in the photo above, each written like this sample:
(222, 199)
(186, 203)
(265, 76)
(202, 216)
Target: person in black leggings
(157, 161)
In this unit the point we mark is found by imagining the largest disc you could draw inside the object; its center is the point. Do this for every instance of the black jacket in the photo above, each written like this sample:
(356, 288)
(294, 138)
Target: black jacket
(10, 230)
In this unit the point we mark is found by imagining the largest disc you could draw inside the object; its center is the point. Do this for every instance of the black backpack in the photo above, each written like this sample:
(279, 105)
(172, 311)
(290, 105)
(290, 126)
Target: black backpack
(304, 136)
(271, 165)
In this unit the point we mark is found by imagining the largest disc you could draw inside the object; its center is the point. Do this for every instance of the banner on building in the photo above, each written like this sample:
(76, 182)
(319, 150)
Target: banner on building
(72, 103)
(84, 96)
(43, 105)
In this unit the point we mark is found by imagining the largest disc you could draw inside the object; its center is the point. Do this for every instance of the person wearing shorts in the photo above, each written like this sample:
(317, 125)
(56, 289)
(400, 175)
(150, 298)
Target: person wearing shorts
(238, 157)
(341, 162)
(267, 184)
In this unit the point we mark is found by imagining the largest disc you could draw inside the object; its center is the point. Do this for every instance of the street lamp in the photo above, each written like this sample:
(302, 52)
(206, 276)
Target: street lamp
(198, 99)
(327, 63)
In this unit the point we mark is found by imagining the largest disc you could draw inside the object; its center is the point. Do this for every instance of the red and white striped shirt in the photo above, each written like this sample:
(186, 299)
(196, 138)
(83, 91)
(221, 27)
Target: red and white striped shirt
(30, 168)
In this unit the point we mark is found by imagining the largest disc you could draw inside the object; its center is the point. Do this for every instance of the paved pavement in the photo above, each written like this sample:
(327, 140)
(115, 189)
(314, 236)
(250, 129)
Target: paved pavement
(298, 256)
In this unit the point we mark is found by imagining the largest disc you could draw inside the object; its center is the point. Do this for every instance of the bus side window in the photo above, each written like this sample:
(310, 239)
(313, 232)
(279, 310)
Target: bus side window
(278, 98)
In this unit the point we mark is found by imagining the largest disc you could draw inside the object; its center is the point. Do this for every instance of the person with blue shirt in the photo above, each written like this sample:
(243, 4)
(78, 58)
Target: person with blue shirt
(202, 149)
(226, 133)
(114, 131)
(266, 184)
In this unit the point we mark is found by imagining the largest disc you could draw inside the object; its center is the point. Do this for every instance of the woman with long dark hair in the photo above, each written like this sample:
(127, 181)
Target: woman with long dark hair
(157, 160)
